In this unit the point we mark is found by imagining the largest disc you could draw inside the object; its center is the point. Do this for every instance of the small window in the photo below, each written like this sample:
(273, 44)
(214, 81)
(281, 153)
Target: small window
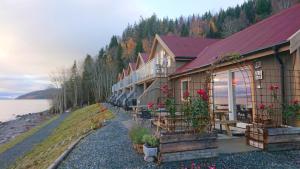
(184, 88)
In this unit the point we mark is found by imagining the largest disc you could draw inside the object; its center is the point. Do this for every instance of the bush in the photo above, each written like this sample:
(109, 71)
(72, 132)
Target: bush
(136, 134)
(150, 140)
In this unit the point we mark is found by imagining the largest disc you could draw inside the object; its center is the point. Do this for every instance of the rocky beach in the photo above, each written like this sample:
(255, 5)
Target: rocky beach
(10, 129)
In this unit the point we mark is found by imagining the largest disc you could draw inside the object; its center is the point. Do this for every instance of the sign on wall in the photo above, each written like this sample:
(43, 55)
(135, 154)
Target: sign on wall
(258, 74)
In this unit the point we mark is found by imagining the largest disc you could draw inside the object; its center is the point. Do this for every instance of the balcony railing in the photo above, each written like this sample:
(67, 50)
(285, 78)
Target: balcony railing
(150, 70)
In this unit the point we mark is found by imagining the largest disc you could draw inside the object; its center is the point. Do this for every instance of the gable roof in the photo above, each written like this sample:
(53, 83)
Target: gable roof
(131, 67)
(186, 47)
(142, 57)
(267, 33)
(124, 73)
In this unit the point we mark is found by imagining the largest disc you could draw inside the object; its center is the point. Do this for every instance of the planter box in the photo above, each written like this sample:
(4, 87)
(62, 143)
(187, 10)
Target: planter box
(179, 147)
(273, 139)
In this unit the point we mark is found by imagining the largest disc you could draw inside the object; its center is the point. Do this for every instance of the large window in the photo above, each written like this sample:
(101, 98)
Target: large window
(232, 92)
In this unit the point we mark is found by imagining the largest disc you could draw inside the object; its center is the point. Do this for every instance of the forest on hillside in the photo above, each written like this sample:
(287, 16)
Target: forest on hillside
(91, 82)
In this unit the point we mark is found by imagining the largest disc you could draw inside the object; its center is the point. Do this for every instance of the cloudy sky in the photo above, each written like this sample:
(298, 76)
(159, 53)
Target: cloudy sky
(38, 37)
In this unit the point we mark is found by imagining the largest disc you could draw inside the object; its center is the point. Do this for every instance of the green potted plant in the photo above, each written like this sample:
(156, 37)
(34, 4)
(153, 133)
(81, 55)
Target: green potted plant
(136, 135)
(150, 147)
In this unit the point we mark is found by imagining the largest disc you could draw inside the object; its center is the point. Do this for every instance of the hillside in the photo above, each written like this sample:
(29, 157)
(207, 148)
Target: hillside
(40, 94)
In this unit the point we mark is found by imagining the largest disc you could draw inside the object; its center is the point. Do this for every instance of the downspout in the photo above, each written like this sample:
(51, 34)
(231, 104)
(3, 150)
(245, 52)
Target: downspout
(282, 74)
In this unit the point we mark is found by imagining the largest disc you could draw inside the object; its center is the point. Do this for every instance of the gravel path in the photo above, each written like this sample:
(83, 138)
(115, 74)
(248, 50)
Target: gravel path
(110, 148)
(9, 157)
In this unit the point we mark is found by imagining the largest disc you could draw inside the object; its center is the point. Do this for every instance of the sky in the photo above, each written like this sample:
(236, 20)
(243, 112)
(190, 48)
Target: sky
(39, 37)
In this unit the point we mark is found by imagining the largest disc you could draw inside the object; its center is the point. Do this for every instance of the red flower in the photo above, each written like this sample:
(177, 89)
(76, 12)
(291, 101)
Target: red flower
(295, 102)
(164, 89)
(150, 105)
(160, 105)
(262, 106)
(186, 94)
(202, 93)
(273, 87)
(271, 106)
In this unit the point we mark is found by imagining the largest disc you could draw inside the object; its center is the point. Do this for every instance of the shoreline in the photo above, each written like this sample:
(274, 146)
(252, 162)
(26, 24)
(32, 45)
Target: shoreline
(12, 128)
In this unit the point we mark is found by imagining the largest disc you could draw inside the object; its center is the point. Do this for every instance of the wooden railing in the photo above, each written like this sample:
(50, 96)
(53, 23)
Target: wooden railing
(150, 70)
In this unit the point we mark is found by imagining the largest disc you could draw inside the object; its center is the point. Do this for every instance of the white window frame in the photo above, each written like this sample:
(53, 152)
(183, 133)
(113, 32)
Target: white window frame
(181, 87)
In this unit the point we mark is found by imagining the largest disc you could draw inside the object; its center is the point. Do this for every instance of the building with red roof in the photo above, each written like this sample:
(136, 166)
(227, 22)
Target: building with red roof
(243, 66)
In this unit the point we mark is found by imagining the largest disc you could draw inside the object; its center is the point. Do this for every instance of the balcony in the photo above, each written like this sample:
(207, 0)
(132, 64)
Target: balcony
(149, 71)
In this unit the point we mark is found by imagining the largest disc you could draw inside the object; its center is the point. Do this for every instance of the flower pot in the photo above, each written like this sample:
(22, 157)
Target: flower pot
(138, 148)
(150, 151)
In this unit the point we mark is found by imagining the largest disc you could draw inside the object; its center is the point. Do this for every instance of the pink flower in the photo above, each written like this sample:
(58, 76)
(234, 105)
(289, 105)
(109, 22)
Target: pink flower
(212, 167)
(262, 106)
(150, 105)
(193, 165)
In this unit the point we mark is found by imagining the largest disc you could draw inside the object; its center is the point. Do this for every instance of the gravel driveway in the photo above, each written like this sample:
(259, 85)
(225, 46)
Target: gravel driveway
(9, 157)
(110, 148)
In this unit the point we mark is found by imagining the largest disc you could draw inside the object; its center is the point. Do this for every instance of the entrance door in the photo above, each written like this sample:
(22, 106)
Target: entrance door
(232, 94)
(241, 95)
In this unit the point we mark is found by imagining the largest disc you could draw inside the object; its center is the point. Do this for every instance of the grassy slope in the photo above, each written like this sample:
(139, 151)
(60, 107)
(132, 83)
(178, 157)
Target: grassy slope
(76, 124)
(24, 135)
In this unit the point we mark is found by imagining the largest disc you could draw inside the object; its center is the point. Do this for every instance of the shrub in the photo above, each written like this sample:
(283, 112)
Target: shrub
(150, 140)
(136, 134)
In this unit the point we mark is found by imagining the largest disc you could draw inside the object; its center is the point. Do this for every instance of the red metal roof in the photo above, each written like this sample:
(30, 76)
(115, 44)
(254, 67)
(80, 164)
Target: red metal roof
(188, 47)
(145, 57)
(269, 32)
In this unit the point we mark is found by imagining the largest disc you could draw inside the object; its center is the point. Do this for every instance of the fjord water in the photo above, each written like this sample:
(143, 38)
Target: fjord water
(9, 109)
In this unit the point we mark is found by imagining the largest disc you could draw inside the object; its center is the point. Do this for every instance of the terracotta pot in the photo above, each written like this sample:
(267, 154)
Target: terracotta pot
(138, 148)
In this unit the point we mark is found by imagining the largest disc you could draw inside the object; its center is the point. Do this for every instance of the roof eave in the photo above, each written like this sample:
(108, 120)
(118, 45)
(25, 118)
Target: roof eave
(286, 42)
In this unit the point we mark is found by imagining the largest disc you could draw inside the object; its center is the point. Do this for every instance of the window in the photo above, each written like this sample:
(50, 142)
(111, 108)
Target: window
(221, 90)
(184, 88)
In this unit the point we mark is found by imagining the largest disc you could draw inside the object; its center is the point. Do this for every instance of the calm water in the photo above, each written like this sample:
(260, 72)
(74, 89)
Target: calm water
(10, 108)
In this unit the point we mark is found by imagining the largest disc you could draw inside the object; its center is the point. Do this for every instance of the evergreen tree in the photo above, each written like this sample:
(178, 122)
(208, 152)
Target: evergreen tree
(119, 58)
(113, 42)
(138, 48)
(87, 80)
(263, 8)
(184, 31)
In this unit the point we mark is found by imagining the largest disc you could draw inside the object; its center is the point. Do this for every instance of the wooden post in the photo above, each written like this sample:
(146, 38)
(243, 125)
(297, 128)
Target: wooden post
(231, 97)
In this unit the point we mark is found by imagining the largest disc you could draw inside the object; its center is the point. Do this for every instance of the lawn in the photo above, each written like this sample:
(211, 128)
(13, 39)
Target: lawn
(75, 125)
(24, 135)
